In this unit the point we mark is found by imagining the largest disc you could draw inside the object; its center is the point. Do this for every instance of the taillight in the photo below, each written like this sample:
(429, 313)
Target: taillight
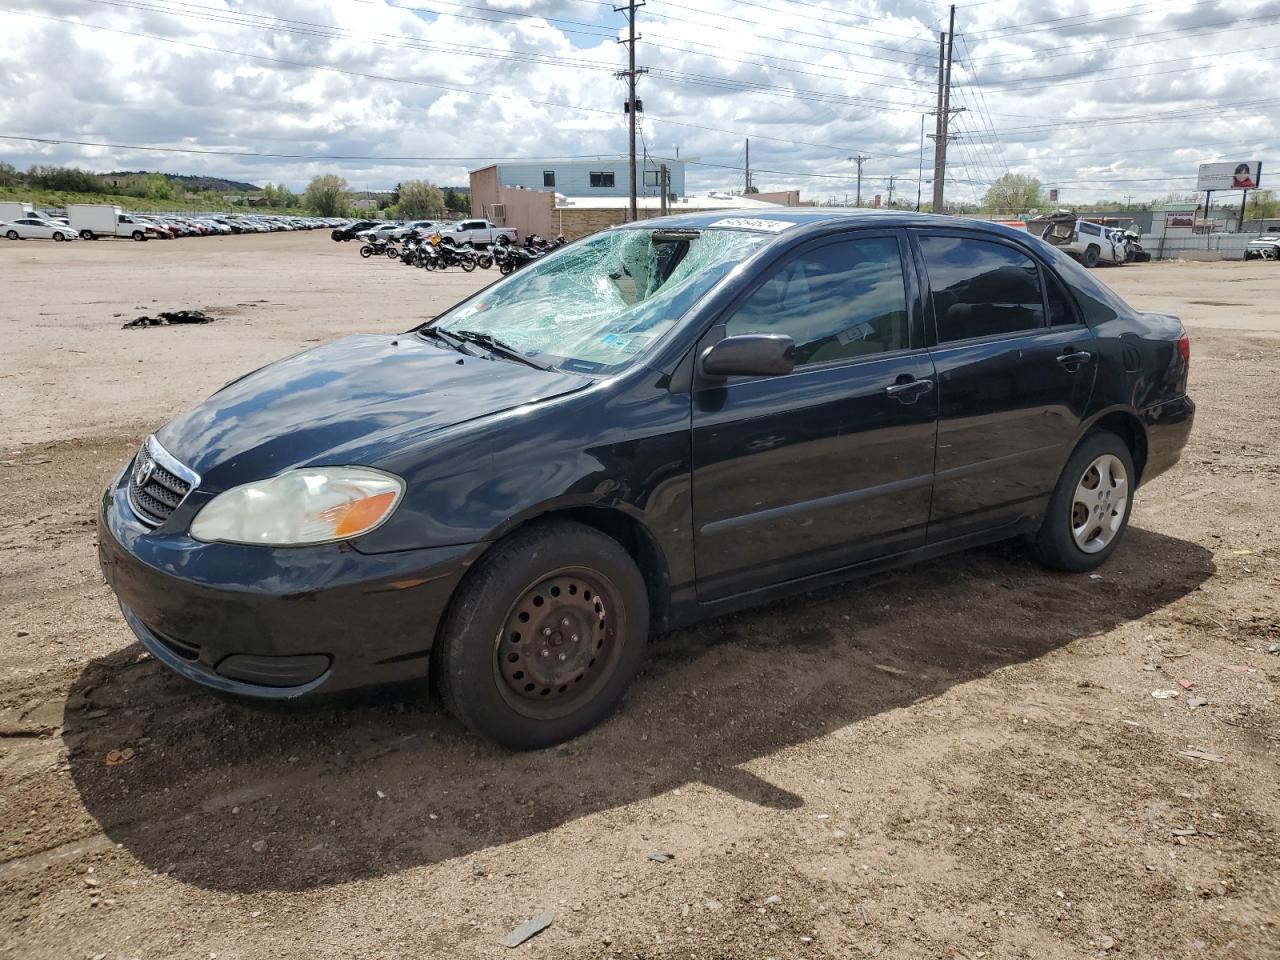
(1184, 349)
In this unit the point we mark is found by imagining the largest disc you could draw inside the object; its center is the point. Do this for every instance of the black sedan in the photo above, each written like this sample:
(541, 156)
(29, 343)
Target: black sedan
(659, 423)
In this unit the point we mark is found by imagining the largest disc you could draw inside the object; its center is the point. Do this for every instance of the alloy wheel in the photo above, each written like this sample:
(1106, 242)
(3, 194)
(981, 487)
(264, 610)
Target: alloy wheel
(1098, 506)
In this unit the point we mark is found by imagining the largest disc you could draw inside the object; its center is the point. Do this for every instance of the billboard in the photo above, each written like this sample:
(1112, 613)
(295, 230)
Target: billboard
(1180, 220)
(1053, 195)
(1236, 175)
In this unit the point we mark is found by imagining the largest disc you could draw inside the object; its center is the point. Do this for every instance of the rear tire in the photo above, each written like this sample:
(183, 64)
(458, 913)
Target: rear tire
(544, 637)
(366, 251)
(1089, 510)
(12, 234)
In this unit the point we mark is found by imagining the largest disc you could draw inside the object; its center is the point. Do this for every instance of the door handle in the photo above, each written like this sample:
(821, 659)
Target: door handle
(1074, 361)
(909, 391)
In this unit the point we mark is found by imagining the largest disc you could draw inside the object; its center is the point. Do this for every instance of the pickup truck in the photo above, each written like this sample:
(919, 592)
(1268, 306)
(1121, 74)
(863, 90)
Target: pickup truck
(477, 232)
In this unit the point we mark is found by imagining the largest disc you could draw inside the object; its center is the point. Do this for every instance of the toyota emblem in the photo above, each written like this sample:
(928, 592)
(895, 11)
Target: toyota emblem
(142, 472)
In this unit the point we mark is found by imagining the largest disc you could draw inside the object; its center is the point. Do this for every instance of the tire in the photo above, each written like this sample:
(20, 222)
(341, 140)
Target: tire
(484, 261)
(1091, 256)
(86, 235)
(392, 253)
(551, 574)
(506, 267)
(59, 238)
(139, 235)
(429, 264)
(1056, 542)
(12, 234)
(366, 251)
(467, 263)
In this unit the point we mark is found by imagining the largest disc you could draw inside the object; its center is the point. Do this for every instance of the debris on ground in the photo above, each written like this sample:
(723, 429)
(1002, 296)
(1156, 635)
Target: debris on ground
(1196, 753)
(712, 904)
(661, 856)
(529, 929)
(1185, 684)
(1194, 701)
(117, 757)
(1166, 694)
(1239, 668)
(169, 316)
(259, 846)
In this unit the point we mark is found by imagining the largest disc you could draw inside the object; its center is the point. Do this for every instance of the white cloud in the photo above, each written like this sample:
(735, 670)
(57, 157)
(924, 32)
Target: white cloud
(1075, 93)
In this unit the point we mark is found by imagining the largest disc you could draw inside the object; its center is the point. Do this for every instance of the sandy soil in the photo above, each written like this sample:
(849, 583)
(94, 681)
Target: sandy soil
(958, 760)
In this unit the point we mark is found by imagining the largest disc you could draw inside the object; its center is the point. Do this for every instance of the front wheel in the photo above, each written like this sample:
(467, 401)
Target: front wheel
(59, 237)
(1091, 257)
(366, 251)
(506, 267)
(484, 261)
(1089, 509)
(139, 235)
(544, 637)
(467, 264)
(392, 253)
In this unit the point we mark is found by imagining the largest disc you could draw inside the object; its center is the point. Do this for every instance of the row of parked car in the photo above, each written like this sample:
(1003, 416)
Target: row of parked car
(479, 233)
(92, 221)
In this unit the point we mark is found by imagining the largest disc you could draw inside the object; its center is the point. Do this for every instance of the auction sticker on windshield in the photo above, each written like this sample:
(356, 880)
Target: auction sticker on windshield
(749, 223)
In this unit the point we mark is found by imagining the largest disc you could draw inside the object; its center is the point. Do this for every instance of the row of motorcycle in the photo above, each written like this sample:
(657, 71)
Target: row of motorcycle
(437, 252)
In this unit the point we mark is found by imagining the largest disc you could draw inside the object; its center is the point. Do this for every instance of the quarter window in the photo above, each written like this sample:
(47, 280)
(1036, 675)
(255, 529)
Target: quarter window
(840, 301)
(981, 289)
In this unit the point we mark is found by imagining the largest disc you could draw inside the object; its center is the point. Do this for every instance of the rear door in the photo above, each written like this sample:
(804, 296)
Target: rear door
(832, 463)
(1015, 366)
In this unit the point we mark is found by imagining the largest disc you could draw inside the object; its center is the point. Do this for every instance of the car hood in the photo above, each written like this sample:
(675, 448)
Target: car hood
(295, 411)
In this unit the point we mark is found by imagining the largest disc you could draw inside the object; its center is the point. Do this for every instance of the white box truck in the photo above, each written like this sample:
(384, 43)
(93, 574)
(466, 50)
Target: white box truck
(14, 210)
(94, 220)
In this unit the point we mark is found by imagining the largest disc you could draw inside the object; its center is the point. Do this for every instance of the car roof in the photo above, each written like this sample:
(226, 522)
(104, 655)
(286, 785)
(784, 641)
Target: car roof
(786, 219)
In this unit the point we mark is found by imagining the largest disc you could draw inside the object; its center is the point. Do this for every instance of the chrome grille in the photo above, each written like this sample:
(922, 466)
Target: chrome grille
(157, 483)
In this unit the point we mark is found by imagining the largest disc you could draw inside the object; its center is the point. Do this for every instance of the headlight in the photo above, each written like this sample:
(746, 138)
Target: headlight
(300, 507)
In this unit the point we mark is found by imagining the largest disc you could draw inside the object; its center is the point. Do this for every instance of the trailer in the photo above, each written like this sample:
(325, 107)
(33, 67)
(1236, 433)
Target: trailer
(15, 210)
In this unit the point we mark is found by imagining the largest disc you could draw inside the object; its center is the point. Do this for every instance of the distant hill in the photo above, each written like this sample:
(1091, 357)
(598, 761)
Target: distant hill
(191, 183)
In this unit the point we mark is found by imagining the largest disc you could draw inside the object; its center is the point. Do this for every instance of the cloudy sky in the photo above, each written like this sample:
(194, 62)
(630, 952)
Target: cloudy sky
(1096, 97)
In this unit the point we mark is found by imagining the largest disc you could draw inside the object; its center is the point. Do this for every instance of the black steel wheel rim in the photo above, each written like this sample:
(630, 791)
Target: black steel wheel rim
(560, 643)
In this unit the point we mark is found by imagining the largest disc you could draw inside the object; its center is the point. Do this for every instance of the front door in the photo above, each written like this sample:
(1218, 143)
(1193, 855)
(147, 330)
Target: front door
(1016, 367)
(832, 463)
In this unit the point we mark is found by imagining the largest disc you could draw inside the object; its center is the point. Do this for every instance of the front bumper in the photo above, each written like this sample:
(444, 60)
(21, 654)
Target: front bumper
(276, 623)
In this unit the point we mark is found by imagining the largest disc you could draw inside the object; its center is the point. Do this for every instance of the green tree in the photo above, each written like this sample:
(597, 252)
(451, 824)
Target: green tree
(64, 178)
(326, 195)
(1262, 205)
(1014, 193)
(452, 200)
(420, 200)
(9, 175)
(280, 196)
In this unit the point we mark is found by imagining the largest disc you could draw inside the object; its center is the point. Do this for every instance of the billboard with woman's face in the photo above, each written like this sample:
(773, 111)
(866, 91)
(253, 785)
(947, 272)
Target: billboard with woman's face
(1237, 175)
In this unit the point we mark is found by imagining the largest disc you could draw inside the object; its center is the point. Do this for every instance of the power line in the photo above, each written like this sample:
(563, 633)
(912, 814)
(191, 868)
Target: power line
(486, 92)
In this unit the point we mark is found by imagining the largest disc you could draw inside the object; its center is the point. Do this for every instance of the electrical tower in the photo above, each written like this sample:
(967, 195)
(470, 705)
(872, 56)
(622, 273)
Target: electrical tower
(859, 160)
(633, 105)
(946, 47)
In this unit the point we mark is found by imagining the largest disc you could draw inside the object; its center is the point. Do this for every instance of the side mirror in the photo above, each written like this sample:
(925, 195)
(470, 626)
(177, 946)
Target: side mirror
(749, 355)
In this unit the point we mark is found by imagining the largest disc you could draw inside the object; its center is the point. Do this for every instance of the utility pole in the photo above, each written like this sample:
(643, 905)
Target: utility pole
(891, 179)
(859, 160)
(946, 48)
(632, 107)
(747, 187)
(920, 170)
(664, 184)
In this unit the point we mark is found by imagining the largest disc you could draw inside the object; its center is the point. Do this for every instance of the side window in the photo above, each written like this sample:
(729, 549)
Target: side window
(842, 300)
(980, 288)
(1091, 229)
(1060, 309)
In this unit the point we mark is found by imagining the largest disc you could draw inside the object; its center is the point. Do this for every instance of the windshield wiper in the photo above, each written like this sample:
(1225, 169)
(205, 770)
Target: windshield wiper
(449, 339)
(494, 345)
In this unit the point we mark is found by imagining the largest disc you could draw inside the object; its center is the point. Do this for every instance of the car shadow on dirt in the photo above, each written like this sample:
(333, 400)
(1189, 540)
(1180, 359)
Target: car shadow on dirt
(231, 797)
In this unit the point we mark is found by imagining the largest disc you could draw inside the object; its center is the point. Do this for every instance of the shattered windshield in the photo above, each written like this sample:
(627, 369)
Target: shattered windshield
(604, 300)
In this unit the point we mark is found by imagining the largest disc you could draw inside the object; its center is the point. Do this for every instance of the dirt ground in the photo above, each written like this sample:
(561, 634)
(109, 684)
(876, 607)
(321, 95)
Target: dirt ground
(959, 760)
